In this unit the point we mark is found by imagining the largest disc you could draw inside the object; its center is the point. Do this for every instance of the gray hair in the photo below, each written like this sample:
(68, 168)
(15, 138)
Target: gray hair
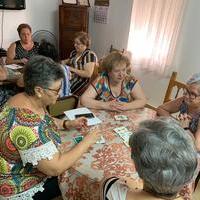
(41, 71)
(194, 79)
(164, 155)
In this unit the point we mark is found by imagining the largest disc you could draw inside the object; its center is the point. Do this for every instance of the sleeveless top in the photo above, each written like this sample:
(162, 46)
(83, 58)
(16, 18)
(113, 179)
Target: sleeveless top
(20, 52)
(104, 93)
(78, 82)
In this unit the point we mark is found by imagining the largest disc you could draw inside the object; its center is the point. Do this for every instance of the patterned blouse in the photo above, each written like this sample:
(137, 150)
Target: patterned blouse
(20, 52)
(104, 93)
(25, 139)
(86, 57)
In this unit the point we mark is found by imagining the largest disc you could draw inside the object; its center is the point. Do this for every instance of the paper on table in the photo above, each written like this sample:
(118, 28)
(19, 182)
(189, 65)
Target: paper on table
(14, 66)
(91, 121)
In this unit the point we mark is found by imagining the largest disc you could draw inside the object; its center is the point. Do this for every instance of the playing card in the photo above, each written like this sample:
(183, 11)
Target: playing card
(121, 129)
(121, 117)
(78, 139)
(124, 133)
(101, 141)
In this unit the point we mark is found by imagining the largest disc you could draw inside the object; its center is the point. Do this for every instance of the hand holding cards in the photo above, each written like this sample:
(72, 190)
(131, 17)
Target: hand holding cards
(124, 133)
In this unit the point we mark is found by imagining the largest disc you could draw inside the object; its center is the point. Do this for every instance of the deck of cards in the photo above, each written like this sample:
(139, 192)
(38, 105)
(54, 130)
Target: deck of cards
(121, 117)
(124, 133)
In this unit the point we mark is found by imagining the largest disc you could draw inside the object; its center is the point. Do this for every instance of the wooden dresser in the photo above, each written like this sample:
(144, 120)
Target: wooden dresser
(72, 19)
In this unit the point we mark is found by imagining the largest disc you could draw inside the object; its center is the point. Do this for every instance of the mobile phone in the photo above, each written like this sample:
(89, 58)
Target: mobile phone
(78, 139)
(87, 115)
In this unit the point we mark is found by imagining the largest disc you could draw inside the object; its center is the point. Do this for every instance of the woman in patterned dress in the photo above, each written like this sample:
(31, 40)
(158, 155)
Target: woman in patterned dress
(82, 62)
(114, 89)
(22, 50)
(29, 137)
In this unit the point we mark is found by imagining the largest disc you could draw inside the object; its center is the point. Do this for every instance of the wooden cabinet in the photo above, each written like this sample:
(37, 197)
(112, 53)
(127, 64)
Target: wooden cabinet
(72, 19)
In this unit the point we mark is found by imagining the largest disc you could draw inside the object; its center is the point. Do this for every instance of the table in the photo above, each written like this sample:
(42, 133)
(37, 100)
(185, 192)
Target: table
(82, 181)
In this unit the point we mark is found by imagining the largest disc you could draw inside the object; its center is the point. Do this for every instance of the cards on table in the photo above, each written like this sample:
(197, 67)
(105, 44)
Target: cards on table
(121, 117)
(78, 139)
(124, 133)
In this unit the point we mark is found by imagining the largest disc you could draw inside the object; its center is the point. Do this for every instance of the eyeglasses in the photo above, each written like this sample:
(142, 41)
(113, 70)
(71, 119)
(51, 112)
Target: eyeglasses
(54, 90)
(192, 95)
(77, 43)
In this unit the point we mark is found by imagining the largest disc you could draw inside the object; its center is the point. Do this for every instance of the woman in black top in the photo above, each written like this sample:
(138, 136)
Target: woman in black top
(22, 50)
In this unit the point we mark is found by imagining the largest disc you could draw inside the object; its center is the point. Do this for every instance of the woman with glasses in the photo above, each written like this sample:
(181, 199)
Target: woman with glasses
(188, 107)
(82, 62)
(29, 137)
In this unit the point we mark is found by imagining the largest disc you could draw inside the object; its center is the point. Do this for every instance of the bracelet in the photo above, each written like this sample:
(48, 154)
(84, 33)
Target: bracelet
(64, 125)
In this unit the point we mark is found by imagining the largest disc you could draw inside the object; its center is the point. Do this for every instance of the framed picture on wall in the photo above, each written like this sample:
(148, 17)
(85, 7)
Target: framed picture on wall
(69, 2)
(83, 2)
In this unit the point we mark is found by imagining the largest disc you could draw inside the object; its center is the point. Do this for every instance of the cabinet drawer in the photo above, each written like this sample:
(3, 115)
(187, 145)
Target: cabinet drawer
(73, 18)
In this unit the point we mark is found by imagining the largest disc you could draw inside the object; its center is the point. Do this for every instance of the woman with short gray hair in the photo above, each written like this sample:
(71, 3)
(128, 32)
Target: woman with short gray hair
(165, 159)
(29, 137)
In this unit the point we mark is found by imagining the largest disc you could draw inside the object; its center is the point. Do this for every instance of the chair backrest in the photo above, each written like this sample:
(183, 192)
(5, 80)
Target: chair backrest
(173, 85)
(112, 49)
(63, 104)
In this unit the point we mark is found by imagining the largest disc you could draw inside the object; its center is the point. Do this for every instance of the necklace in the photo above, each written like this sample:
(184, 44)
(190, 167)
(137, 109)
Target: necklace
(33, 104)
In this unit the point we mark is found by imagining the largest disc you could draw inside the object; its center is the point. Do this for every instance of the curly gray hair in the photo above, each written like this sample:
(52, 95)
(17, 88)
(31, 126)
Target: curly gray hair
(164, 155)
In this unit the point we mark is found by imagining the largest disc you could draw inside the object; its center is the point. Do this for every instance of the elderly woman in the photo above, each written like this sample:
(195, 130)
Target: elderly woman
(29, 137)
(81, 61)
(114, 89)
(22, 50)
(188, 107)
(165, 158)
(49, 50)
(9, 83)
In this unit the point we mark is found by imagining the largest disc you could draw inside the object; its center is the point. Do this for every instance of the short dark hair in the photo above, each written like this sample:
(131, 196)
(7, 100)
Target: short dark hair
(164, 155)
(21, 26)
(49, 50)
(41, 71)
(83, 37)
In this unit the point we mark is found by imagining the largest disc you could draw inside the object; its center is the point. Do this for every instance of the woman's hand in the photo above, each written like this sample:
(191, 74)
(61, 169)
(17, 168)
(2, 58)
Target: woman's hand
(78, 123)
(24, 60)
(3, 73)
(184, 120)
(93, 135)
(115, 106)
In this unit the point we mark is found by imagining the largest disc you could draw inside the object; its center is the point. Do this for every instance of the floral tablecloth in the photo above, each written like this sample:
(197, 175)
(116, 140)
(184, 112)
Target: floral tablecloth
(82, 181)
(113, 158)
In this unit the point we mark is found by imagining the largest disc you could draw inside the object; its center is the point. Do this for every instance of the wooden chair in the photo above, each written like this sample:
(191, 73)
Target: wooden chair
(63, 104)
(173, 90)
(112, 49)
(173, 85)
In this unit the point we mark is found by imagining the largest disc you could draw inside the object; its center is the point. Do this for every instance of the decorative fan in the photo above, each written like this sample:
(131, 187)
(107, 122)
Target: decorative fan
(46, 35)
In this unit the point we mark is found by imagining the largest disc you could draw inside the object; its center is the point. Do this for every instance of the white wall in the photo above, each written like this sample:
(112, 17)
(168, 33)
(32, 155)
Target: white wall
(117, 29)
(188, 51)
(40, 14)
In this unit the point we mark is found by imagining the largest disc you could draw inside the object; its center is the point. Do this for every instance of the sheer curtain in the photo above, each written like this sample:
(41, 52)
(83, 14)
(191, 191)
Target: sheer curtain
(154, 30)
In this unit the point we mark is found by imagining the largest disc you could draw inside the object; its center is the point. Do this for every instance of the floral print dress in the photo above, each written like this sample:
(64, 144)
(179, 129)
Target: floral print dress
(25, 139)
